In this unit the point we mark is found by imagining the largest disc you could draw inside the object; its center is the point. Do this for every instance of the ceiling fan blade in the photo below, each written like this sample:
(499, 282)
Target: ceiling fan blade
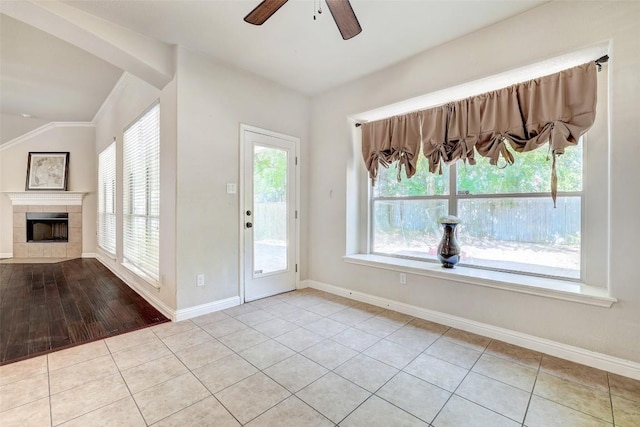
(345, 18)
(263, 11)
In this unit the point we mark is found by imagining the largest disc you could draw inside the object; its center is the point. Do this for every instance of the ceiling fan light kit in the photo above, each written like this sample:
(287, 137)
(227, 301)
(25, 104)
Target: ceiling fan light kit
(341, 10)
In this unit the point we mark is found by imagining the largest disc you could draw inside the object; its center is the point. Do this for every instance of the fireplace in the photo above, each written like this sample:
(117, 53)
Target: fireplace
(57, 216)
(47, 227)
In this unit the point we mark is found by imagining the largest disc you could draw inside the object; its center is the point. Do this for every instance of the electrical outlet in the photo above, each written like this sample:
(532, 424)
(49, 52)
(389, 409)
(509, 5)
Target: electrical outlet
(200, 280)
(403, 278)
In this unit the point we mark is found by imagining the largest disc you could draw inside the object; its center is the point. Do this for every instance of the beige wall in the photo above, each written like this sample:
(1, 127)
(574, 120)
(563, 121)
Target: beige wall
(545, 32)
(213, 100)
(78, 140)
(201, 113)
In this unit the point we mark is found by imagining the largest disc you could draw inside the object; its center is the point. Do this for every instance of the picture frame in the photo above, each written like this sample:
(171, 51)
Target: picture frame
(47, 171)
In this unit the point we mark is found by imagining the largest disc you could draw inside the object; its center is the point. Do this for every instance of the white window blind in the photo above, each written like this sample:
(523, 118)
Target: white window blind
(107, 199)
(141, 200)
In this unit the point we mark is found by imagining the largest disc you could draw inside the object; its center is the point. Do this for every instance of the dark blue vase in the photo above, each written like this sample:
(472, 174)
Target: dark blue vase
(449, 249)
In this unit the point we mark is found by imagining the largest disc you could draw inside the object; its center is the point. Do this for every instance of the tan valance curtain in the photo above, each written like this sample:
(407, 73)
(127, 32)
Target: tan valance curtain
(397, 138)
(557, 109)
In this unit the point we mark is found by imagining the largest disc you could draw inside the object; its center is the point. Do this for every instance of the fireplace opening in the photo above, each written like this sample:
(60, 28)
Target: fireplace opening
(47, 227)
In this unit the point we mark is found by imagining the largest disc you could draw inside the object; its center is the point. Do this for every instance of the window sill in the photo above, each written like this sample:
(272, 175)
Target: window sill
(106, 253)
(140, 274)
(540, 286)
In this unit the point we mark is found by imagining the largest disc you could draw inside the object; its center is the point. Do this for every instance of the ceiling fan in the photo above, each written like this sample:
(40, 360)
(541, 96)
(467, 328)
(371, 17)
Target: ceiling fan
(341, 11)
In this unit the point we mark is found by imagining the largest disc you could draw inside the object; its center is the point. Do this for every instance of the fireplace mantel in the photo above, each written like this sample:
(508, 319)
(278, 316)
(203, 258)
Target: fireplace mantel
(45, 197)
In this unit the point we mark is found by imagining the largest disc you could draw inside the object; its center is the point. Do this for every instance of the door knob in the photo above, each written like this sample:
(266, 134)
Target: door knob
(248, 225)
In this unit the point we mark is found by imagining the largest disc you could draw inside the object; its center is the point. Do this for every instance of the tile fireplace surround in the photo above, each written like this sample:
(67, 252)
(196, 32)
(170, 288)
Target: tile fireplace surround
(53, 201)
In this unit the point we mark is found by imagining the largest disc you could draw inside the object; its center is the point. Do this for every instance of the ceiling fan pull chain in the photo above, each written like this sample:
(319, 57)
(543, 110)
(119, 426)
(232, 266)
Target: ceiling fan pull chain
(317, 7)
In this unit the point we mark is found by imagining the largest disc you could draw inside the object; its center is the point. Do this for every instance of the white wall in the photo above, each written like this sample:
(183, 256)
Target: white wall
(545, 32)
(78, 141)
(201, 113)
(213, 100)
(129, 99)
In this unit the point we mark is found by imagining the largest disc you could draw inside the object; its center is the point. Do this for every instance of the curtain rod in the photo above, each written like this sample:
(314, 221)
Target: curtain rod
(598, 62)
(601, 61)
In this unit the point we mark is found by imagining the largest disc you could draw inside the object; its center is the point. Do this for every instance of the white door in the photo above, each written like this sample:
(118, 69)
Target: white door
(268, 213)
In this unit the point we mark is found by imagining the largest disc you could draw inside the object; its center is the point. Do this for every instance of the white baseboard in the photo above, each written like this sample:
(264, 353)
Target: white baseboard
(88, 255)
(148, 295)
(612, 364)
(199, 310)
(145, 293)
(6, 254)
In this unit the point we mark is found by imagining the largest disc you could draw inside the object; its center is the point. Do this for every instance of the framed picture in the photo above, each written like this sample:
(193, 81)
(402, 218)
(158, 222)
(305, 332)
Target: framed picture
(47, 171)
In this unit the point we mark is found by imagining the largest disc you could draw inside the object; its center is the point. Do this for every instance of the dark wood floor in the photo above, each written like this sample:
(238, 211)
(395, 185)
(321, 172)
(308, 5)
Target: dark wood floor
(47, 307)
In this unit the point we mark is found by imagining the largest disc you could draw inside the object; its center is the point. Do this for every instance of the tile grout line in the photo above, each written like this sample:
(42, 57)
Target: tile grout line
(453, 393)
(125, 383)
(580, 385)
(211, 394)
(393, 376)
(49, 386)
(237, 354)
(613, 414)
(80, 385)
(303, 355)
(381, 318)
(291, 394)
(411, 375)
(535, 381)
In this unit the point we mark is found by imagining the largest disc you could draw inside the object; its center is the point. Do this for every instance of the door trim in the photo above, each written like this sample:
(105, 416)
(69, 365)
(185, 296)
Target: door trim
(241, 204)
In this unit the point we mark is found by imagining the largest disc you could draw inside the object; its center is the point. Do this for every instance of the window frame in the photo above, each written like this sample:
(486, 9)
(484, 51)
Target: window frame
(111, 151)
(136, 263)
(594, 288)
(453, 197)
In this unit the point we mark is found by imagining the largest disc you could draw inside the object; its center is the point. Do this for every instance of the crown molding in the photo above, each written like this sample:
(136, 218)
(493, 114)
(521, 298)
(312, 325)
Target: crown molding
(43, 129)
(115, 92)
(117, 89)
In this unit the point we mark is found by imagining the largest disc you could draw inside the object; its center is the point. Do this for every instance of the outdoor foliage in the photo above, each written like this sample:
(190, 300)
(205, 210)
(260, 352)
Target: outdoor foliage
(270, 175)
(400, 223)
(531, 173)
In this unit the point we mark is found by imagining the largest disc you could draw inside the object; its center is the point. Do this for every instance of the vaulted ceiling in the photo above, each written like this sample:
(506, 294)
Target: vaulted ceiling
(55, 80)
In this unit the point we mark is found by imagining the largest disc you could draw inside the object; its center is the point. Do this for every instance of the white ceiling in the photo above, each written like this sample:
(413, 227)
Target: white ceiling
(48, 78)
(53, 80)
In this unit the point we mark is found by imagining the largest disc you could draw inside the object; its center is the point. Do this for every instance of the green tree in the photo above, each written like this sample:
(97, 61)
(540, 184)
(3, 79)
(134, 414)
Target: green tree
(422, 183)
(269, 175)
(530, 173)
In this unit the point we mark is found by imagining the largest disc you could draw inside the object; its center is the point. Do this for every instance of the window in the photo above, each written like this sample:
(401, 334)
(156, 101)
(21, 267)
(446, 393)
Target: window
(141, 194)
(394, 225)
(508, 219)
(107, 199)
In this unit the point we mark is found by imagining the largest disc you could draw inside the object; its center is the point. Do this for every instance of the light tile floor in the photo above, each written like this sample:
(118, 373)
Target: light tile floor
(308, 358)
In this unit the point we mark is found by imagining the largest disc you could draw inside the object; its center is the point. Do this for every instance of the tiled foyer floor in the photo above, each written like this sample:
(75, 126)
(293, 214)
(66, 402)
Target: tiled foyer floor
(307, 358)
